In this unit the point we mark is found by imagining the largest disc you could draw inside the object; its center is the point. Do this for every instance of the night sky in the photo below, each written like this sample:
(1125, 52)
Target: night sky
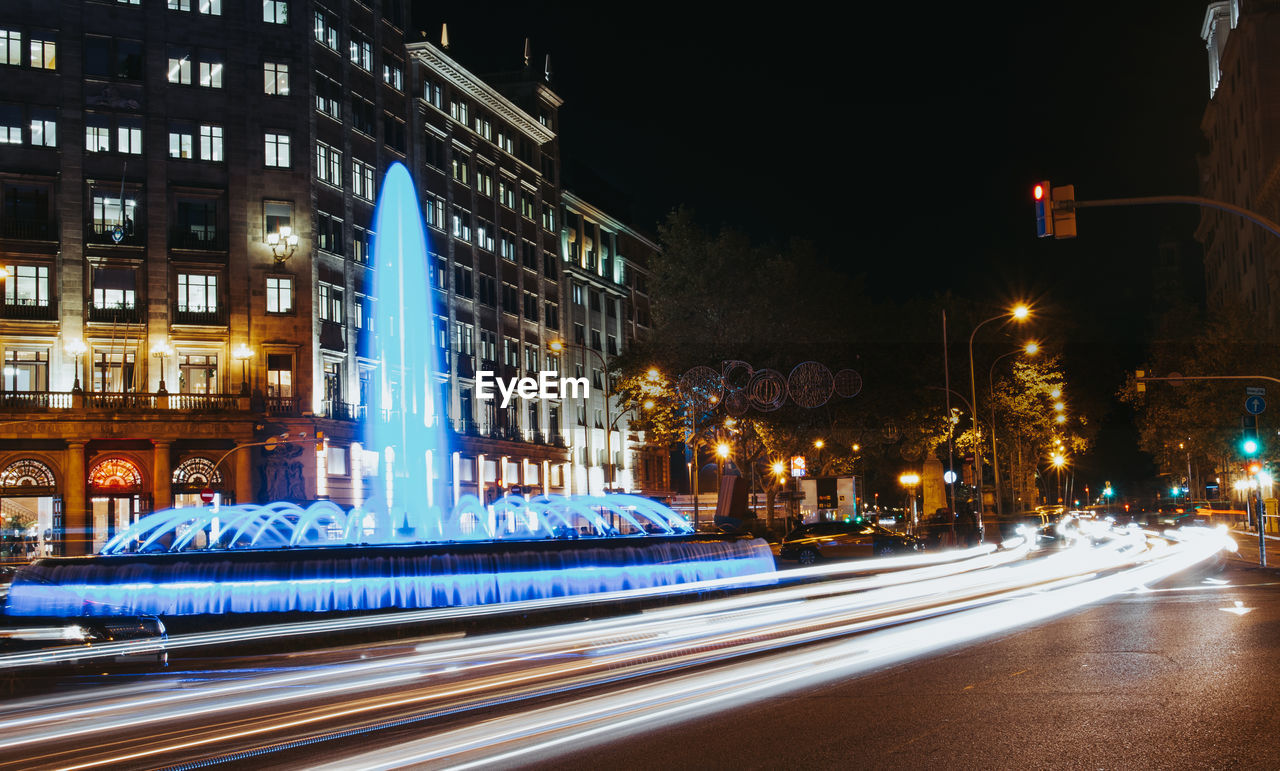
(902, 139)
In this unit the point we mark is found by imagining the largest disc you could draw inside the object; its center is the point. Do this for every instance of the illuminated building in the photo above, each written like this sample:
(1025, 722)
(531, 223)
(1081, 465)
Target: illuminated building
(186, 205)
(1242, 163)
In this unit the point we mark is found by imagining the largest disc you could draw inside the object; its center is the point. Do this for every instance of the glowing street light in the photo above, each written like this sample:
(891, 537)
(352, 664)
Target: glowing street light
(76, 348)
(161, 351)
(819, 443)
(243, 353)
(1059, 407)
(1019, 312)
(909, 480)
(1060, 420)
(722, 450)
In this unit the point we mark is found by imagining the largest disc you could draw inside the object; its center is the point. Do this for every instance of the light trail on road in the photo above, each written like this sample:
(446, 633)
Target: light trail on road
(779, 637)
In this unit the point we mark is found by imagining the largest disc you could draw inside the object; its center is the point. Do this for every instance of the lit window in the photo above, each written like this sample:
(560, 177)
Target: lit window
(179, 5)
(330, 305)
(179, 66)
(44, 54)
(361, 53)
(362, 180)
(277, 149)
(210, 70)
(275, 78)
(10, 124)
(275, 11)
(211, 7)
(44, 128)
(181, 141)
(129, 136)
(279, 295)
(326, 33)
(27, 285)
(211, 143)
(197, 293)
(393, 75)
(328, 164)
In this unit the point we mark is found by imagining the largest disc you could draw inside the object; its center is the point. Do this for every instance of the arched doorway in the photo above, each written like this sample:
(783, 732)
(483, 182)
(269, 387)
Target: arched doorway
(117, 496)
(193, 475)
(30, 510)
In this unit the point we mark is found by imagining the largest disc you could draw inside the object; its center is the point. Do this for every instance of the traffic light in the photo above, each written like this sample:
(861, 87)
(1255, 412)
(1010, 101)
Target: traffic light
(1043, 196)
(1249, 444)
(1055, 210)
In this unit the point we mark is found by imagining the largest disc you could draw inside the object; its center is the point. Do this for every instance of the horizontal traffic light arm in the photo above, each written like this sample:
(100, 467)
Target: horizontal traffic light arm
(1266, 223)
(1180, 378)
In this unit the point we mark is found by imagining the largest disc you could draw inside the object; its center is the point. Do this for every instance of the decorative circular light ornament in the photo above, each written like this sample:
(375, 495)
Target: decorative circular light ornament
(701, 386)
(736, 403)
(736, 375)
(810, 384)
(848, 383)
(768, 390)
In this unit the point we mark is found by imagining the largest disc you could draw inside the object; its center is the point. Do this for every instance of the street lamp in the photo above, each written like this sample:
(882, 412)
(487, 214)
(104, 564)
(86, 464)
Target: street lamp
(283, 243)
(76, 348)
(1019, 312)
(161, 350)
(243, 353)
(909, 480)
(1058, 460)
(1030, 349)
(557, 346)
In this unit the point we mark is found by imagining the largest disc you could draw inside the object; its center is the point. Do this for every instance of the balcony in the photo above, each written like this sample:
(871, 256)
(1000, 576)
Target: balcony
(28, 230)
(206, 317)
(202, 240)
(102, 234)
(133, 401)
(340, 410)
(283, 406)
(115, 313)
(29, 310)
(331, 336)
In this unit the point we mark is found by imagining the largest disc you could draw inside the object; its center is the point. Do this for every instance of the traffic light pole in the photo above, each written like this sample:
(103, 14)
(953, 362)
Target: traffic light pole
(1268, 224)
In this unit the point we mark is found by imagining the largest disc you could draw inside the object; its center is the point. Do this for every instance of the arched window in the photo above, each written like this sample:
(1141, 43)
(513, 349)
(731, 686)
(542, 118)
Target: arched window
(115, 475)
(27, 473)
(196, 474)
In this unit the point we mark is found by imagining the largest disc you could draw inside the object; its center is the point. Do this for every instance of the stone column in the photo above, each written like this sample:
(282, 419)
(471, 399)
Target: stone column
(935, 487)
(162, 471)
(244, 475)
(76, 522)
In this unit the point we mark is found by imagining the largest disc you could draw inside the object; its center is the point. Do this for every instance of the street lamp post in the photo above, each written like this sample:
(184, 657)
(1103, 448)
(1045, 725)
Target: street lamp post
(161, 351)
(1029, 349)
(1018, 313)
(76, 348)
(243, 353)
(558, 346)
(909, 481)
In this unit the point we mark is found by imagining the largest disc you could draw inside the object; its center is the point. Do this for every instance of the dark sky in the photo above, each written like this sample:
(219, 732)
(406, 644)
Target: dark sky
(902, 138)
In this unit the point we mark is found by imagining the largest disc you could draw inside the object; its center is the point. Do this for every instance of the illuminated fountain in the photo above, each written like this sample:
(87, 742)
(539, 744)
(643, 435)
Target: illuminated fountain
(402, 548)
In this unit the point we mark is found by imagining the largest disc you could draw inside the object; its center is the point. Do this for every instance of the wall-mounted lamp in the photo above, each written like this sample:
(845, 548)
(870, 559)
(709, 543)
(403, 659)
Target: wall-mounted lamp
(283, 243)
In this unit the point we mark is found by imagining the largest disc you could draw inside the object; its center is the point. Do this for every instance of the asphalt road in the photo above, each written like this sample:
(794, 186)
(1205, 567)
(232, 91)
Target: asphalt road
(1164, 679)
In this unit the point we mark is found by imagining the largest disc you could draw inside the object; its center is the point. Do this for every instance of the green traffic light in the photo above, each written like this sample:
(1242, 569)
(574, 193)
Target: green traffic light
(1250, 447)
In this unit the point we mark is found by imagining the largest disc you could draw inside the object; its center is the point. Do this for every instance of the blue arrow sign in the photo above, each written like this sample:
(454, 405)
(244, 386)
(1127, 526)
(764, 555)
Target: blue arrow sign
(1254, 405)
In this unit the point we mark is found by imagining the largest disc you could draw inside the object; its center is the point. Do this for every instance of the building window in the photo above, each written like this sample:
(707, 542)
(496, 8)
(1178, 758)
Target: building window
(179, 66)
(595, 301)
(362, 116)
(361, 51)
(552, 314)
(362, 180)
(179, 5)
(211, 143)
(488, 289)
(510, 298)
(461, 224)
(392, 72)
(507, 194)
(579, 336)
(462, 281)
(531, 306)
(460, 169)
(210, 7)
(211, 69)
(11, 47)
(510, 352)
(483, 127)
(484, 235)
(484, 181)
(595, 339)
(530, 256)
(113, 372)
(329, 307)
(275, 11)
(549, 267)
(393, 132)
(196, 224)
(97, 134)
(44, 53)
(328, 97)
(197, 293)
(361, 247)
(431, 92)
(527, 205)
(26, 370)
(280, 375)
(279, 295)
(508, 247)
(113, 57)
(577, 294)
(434, 213)
(44, 127)
(549, 218)
(463, 338)
(277, 149)
(115, 289)
(181, 141)
(275, 78)
(129, 135)
(328, 164)
(488, 346)
(459, 111)
(329, 233)
(276, 215)
(503, 141)
(325, 31)
(108, 212)
(11, 124)
(197, 373)
(27, 285)
(613, 345)
(531, 358)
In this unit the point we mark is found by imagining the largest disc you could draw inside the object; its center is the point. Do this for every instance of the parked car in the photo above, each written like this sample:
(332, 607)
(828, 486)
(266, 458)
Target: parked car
(843, 540)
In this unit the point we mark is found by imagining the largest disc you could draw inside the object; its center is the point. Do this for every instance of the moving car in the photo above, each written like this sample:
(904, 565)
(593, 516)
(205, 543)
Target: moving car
(843, 540)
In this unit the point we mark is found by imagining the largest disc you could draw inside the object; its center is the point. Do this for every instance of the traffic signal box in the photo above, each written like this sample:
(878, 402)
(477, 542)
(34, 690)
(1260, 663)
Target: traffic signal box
(1055, 210)
(1250, 447)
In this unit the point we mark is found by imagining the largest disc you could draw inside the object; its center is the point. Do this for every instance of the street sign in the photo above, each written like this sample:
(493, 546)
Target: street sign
(1254, 405)
(797, 466)
(206, 495)
(270, 444)
(1255, 391)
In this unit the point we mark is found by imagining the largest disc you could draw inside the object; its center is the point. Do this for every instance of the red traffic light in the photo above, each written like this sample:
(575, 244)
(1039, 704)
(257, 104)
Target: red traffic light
(1254, 467)
(1039, 192)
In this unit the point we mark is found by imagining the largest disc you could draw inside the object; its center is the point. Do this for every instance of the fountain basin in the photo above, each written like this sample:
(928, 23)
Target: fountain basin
(323, 579)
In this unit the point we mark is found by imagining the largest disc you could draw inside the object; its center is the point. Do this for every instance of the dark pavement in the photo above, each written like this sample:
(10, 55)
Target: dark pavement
(1165, 679)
